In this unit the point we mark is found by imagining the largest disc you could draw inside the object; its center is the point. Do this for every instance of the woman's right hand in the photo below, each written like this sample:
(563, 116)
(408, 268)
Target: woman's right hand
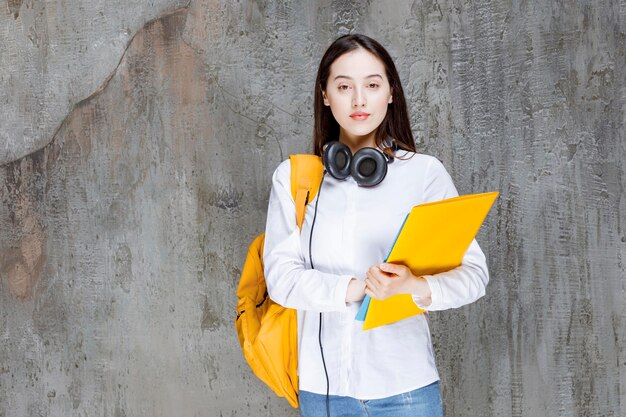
(356, 290)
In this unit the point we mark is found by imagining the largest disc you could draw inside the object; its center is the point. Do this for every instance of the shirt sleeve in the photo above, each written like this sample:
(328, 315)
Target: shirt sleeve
(465, 283)
(290, 282)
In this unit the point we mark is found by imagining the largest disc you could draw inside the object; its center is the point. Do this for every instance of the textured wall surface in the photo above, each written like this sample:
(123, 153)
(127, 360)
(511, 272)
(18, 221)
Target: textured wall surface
(54, 54)
(137, 143)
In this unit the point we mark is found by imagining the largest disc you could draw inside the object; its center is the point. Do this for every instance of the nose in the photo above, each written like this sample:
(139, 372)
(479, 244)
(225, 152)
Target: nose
(359, 98)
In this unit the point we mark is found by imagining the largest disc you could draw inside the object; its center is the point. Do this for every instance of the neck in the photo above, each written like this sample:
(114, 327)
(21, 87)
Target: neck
(357, 142)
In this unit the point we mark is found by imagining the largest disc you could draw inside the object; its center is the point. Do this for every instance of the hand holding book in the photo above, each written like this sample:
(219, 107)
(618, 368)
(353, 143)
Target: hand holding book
(433, 239)
(386, 279)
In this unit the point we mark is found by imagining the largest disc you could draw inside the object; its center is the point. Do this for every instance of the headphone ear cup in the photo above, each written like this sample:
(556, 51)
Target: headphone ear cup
(337, 159)
(369, 167)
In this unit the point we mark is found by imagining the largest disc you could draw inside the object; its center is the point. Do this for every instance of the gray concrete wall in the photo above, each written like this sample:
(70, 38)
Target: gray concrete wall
(136, 157)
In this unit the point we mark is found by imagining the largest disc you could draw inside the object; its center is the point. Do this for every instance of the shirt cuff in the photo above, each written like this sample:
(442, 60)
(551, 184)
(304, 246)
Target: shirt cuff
(436, 297)
(341, 289)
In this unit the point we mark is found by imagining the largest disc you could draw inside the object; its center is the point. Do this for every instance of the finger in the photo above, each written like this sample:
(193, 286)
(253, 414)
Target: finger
(374, 274)
(383, 279)
(371, 293)
(380, 274)
(391, 268)
(394, 269)
(379, 295)
(371, 284)
(374, 270)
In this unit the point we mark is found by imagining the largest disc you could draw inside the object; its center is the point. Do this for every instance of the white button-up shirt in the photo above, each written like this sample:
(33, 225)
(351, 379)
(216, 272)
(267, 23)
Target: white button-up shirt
(355, 229)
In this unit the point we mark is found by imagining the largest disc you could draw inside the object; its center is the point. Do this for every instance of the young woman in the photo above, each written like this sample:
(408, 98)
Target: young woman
(325, 271)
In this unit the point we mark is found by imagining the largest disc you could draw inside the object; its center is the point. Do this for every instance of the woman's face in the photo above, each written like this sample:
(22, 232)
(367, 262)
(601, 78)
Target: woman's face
(358, 93)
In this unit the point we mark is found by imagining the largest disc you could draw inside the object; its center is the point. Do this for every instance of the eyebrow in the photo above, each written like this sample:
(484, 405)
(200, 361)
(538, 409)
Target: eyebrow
(350, 78)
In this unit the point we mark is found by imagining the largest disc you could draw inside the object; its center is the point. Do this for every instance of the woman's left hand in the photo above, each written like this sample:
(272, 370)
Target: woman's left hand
(384, 280)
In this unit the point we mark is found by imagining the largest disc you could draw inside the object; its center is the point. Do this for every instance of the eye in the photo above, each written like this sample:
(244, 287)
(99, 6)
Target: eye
(343, 87)
(373, 85)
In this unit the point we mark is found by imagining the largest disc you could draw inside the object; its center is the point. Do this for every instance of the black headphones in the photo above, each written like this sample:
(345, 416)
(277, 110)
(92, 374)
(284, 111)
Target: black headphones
(368, 166)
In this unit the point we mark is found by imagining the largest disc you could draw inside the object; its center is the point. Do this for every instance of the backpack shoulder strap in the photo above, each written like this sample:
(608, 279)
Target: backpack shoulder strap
(306, 174)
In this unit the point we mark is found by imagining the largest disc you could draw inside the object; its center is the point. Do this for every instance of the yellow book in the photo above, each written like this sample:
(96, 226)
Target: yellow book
(433, 239)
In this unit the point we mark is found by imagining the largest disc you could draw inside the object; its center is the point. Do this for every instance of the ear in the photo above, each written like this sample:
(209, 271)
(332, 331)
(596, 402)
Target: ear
(390, 99)
(326, 103)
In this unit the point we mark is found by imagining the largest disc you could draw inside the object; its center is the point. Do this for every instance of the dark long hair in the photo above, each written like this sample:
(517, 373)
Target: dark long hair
(395, 125)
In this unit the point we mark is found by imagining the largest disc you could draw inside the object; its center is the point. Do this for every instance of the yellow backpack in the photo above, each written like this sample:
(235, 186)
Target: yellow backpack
(268, 332)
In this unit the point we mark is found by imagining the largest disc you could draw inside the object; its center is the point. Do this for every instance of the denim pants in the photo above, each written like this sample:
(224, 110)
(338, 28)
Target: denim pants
(422, 402)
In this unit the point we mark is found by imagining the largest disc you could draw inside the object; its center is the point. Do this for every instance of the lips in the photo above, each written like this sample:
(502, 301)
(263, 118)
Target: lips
(359, 116)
